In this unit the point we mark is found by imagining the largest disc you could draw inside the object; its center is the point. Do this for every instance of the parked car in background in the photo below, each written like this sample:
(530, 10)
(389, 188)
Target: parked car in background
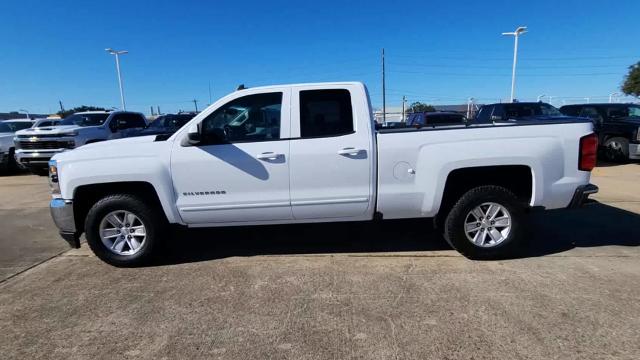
(41, 123)
(35, 146)
(307, 153)
(8, 129)
(391, 125)
(517, 111)
(167, 124)
(617, 126)
(435, 118)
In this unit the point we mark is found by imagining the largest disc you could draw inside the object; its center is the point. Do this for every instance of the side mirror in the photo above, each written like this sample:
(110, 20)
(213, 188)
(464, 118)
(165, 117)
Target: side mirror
(193, 136)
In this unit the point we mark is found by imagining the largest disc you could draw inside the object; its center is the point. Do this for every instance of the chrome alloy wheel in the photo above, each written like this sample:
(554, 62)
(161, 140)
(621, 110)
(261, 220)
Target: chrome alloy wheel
(487, 225)
(122, 232)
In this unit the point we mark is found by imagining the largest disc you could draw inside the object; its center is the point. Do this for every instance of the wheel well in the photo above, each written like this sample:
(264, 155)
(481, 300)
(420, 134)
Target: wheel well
(607, 137)
(516, 178)
(86, 195)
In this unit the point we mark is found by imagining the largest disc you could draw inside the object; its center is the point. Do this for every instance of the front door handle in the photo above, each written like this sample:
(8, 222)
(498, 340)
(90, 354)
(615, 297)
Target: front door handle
(350, 151)
(269, 155)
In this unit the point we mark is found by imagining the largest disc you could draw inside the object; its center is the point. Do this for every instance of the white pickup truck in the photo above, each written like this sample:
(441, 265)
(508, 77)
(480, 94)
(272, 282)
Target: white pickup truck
(310, 153)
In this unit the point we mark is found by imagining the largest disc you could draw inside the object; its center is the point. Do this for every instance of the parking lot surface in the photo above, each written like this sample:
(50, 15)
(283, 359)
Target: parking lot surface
(385, 291)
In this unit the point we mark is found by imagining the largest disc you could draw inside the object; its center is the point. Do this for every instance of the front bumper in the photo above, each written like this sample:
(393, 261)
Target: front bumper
(581, 195)
(634, 151)
(35, 157)
(62, 214)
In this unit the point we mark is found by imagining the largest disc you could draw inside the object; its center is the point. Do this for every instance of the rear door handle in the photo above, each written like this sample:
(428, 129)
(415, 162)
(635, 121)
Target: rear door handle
(269, 155)
(350, 151)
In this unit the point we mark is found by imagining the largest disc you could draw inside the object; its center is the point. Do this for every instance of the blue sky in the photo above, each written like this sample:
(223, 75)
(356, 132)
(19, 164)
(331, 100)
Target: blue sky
(437, 52)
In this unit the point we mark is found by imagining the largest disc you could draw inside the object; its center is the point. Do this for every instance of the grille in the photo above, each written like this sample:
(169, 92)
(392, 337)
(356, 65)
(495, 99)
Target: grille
(39, 145)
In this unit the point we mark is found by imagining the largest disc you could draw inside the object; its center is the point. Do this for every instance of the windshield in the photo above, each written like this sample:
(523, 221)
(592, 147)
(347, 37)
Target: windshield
(527, 110)
(85, 119)
(14, 126)
(169, 122)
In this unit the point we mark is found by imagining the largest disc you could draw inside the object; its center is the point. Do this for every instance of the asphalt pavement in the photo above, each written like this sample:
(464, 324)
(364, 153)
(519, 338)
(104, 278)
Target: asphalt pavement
(363, 291)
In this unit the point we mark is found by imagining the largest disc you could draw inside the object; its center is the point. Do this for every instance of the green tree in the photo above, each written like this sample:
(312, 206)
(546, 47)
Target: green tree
(631, 85)
(420, 107)
(76, 109)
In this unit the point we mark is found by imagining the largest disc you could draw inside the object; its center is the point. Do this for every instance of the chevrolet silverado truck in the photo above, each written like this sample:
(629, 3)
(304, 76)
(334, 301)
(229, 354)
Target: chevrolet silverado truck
(310, 153)
(35, 146)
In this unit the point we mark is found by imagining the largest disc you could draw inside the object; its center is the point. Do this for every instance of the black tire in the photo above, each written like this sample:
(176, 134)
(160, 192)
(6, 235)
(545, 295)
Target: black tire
(454, 227)
(12, 165)
(152, 218)
(616, 149)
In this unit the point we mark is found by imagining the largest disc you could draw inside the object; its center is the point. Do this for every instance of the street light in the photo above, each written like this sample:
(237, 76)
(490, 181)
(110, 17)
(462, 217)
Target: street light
(516, 34)
(117, 53)
(541, 96)
(26, 112)
(612, 96)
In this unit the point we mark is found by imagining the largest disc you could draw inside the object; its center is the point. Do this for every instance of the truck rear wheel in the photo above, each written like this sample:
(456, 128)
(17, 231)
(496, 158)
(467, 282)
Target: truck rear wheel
(486, 223)
(123, 231)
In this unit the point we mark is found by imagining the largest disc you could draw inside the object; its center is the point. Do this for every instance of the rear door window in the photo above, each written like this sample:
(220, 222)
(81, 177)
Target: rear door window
(325, 113)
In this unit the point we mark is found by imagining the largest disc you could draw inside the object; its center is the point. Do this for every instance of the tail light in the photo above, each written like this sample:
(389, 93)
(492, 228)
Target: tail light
(588, 152)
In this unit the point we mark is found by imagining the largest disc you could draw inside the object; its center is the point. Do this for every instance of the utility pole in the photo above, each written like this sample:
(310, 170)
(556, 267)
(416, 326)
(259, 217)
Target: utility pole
(210, 93)
(158, 106)
(61, 106)
(152, 114)
(195, 103)
(384, 93)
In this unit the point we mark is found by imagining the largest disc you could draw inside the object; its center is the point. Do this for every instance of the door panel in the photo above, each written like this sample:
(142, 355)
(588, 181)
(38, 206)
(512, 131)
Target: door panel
(330, 165)
(230, 183)
(240, 171)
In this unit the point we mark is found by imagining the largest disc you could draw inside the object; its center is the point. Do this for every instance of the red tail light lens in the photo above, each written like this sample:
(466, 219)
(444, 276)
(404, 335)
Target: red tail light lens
(588, 152)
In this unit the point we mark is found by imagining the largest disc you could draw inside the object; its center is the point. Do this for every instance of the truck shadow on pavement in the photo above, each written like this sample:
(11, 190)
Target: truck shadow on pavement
(551, 232)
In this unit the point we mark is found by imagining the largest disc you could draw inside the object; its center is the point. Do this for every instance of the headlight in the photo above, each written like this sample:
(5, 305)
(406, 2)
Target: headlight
(54, 183)
(70, 133)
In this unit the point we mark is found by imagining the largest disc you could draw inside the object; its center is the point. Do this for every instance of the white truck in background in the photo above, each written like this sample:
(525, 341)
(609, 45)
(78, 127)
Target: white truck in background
(35, 146)
(310, 153)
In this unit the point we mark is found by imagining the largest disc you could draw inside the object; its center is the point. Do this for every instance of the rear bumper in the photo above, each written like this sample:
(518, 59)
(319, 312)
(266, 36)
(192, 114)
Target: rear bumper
(634, 151)
(581, 195)
(62, 214)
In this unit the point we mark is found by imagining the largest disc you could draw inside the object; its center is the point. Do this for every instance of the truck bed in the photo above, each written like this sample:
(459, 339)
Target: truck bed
(413, 164)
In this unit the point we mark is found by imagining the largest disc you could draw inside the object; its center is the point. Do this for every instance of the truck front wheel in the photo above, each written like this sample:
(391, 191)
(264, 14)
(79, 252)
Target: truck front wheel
(122, 230)
(486, 223)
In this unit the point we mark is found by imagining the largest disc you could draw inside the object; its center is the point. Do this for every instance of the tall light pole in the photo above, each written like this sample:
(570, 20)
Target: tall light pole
(384, 93)
(117, 53)
(612, 96)
(516, 34)
(541, 96)
(26, 112)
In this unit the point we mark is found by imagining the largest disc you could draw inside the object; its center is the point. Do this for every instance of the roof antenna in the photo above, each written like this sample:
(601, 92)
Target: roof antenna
(241, 87)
